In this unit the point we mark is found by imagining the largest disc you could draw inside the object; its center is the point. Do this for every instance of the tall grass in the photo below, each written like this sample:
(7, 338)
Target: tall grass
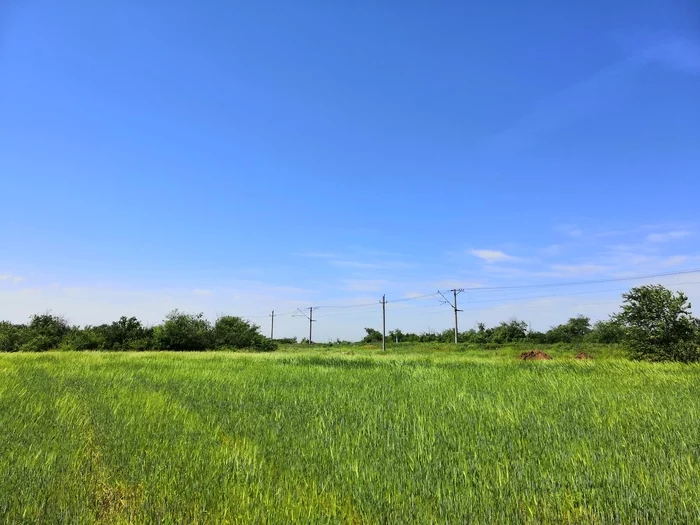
(323, 436)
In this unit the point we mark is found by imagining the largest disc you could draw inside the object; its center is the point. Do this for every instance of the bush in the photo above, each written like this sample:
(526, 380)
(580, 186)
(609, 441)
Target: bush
(182, 331)
(44, 332)
(658, 325)
(11, 336)
(89, 338)
(127, 334)
(606, 332)
(234, 332)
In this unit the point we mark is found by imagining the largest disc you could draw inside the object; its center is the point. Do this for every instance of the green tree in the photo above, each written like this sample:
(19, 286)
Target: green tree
(508, 332)
(575, 329)
(658, 325)
(606, 332)
(11, 336)
(181, 331)
(234, 332)
(88, 338)
(44, 332)
(373, 336)
(396, 336)
(127, 334)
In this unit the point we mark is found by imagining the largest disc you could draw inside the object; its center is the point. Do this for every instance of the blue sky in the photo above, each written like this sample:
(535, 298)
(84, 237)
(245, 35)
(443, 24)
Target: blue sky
(240, 158)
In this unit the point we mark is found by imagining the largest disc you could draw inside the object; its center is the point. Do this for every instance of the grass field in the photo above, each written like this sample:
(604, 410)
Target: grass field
(347, 435)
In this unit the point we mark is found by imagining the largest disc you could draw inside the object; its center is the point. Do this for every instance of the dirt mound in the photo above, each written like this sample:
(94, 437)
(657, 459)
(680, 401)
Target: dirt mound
(536, 355)
(583, 355)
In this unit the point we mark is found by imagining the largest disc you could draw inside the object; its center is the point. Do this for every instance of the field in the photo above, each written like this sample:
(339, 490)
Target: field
(347, 435)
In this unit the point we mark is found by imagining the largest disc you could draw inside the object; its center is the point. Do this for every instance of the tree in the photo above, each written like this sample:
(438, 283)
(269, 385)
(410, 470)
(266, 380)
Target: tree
(575, 329)
(127, 334)
(88, 338)
(606, 332)
(181, 331)
(508, 332)
(44, 332)
(11, 336)
(658, 325)
(396, 335)
(234, 332)
(373, 336)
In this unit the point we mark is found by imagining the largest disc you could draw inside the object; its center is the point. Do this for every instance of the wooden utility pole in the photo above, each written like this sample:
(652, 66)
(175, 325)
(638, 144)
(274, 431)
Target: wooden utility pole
(455, 291)
(311, 322)
(310, 317)
(455, 308)
(383, 323)
(272, 325)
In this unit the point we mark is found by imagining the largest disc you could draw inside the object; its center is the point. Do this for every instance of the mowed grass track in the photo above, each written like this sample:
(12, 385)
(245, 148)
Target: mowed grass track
(325, 437)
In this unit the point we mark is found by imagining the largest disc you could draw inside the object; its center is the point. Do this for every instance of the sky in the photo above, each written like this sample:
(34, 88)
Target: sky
(235, 158)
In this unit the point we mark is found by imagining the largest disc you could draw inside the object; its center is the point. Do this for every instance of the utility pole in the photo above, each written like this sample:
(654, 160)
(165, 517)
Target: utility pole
(455, 292)
(383, 301)
(309, 316)
(272, 325)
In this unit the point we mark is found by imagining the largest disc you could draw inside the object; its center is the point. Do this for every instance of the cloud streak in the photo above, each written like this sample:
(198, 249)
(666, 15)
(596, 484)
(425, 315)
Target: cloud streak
(8, 277)
(493, 256)
(668, 236)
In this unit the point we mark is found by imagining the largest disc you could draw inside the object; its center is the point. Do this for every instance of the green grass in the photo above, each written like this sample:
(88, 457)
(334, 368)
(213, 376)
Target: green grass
(347, 435)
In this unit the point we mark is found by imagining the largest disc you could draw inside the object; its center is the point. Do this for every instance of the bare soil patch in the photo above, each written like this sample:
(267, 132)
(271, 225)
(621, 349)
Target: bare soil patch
(534, 355)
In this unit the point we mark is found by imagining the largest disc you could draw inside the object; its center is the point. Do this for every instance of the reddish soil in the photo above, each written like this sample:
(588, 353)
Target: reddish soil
(536, 355)
(583, 355)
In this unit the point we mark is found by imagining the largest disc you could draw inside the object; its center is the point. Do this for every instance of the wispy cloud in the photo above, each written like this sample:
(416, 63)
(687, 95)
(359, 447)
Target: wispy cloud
(668, 236)
(675, 260)
(493, 256)
(11, 278)
(596, 91)
(570, 230)
(678, 52)
(202, 292)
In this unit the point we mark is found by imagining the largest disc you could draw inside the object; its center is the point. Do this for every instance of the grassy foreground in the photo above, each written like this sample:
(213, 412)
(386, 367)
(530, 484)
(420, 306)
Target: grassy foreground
(325, 436)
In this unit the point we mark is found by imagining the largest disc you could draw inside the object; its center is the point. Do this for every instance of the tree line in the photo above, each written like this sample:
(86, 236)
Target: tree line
(654, 323)
(575, 330)
(179, 332)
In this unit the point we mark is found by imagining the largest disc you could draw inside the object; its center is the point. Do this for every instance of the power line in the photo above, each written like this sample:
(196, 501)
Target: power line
(455, 291)
(310, 317)
(580, 283)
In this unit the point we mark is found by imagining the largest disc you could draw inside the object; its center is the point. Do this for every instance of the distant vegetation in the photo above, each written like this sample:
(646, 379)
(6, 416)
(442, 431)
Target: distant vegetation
(653, 324)
(179, 332)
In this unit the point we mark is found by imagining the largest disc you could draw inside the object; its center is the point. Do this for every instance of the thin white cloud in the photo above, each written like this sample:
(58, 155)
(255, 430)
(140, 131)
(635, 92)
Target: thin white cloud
(10, 277)
(202, 292)
(668, 236)
(570, 230)
(675, 260)
(492, 256)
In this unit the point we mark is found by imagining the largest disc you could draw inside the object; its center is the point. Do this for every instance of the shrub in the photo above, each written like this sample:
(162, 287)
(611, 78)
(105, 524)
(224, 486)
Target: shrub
(44, 332)
(658, 325)
(234, 332)
(11, 336)
(181, 331)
